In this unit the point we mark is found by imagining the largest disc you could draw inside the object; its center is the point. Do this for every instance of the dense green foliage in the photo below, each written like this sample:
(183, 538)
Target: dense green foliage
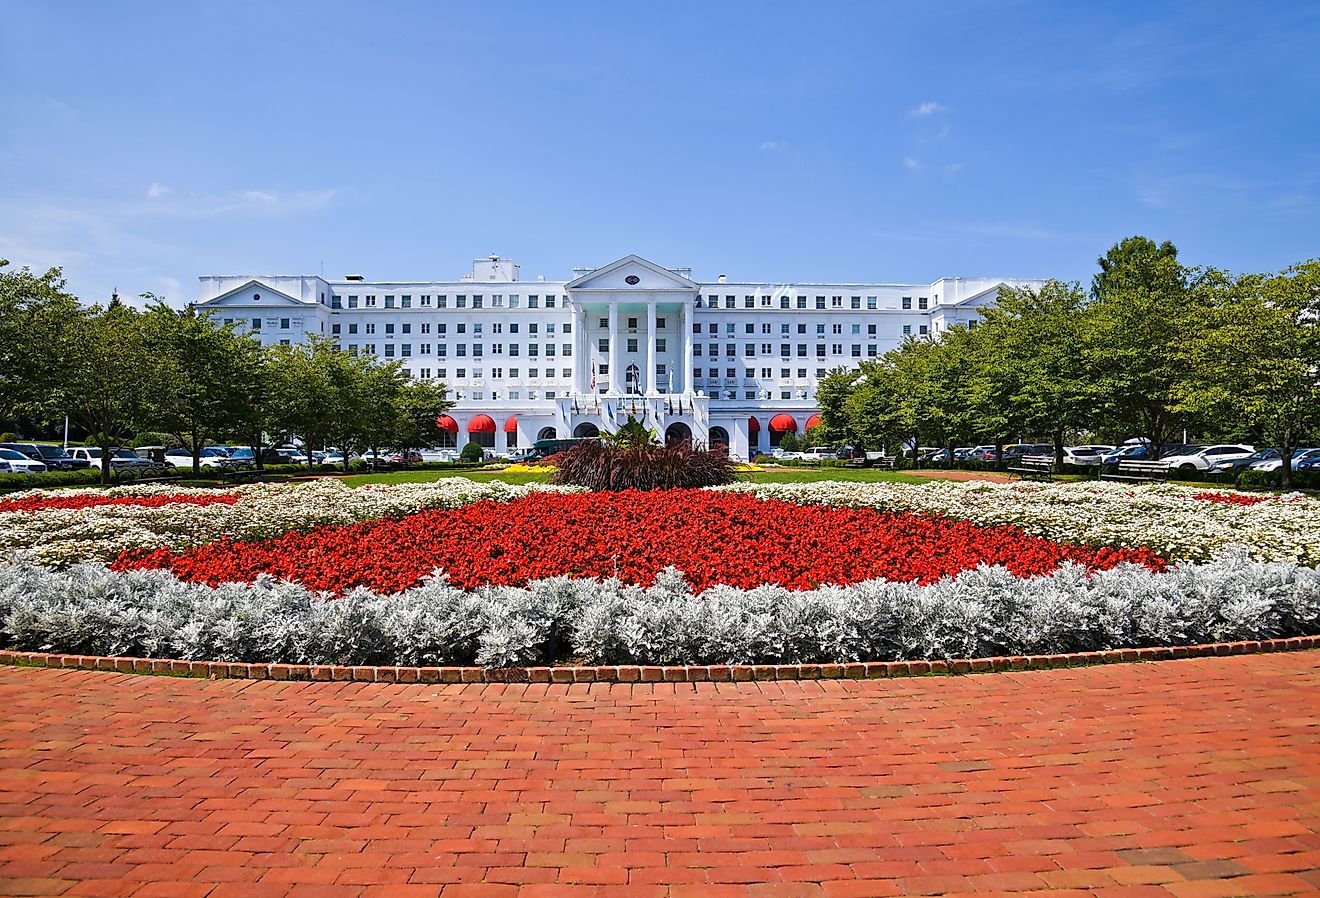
(1154, 349)
(184, 379)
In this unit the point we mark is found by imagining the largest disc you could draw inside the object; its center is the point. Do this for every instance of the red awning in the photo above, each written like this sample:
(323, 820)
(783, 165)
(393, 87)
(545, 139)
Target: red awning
(511, 425)
(753, 425)
(446, 423)
(813, 421)
(481, 424)
(783, 424)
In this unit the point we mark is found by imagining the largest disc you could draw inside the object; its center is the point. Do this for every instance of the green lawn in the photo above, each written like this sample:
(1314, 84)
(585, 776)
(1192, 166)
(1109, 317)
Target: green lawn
(862, 475)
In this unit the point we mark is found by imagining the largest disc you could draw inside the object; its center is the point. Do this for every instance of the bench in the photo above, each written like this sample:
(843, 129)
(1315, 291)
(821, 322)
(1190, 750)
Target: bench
(1037, 467)
(246, 474)
(1135, 470)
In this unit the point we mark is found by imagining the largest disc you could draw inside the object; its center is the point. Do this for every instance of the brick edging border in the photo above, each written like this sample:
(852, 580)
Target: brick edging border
(713, 673)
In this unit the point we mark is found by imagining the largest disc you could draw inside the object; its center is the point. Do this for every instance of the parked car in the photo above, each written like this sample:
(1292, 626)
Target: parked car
(243, 457)
(1231, 465)
(56, 458)
(451, 455)
(1018, 450)
(210, 458)
(1082, 456)
(818, 454)
(1311, 463)
(1274, 464)
(18, 463)
(1200, 458)
(1133, 452)
(120, 459)
(411, 457)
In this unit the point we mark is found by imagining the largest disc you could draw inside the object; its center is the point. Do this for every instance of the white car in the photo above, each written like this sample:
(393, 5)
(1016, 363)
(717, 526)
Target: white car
(439, 455)
(1274, 464)
(819, 453)
(1084, 456)
(210, 458)
(1203, 458)
(17, 463)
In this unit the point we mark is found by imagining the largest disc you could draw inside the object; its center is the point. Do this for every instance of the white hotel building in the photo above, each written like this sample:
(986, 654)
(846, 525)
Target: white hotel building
(733, 363)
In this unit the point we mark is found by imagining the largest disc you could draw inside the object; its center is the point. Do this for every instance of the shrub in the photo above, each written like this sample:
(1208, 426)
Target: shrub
(601, 467)
(472, 452)
(8, 436)
(85, 477)
(983, 612)
(152, 438)
(1302, 480)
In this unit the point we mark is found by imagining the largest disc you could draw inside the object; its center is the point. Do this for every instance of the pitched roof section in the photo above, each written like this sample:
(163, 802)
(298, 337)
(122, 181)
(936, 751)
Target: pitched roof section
(614, 278)
(244, 294)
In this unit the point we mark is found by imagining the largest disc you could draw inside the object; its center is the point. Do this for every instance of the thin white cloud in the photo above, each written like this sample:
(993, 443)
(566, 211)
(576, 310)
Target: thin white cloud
(156, 191)
(911, 164)
(770, 146)
(261, 196)
(930, 107)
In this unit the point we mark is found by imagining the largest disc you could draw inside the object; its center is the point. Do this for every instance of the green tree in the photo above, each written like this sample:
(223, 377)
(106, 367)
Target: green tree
(1032, 353)
(1257, 359)
(35, 312)
(112, 379)
(418, 406)
(215, 376)
(1131, 333)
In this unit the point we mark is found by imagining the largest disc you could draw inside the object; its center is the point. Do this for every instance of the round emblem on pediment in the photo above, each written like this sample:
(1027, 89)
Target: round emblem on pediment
(632, 280)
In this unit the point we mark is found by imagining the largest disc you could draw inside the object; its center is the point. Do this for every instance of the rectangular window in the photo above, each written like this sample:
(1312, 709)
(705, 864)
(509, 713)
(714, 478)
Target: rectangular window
(336, 302)
(749, 349)
(513, 350)
(922, 303)
(550, 304)
(872, 350)
(603, 344)
(405, 349)
(476, 350)
(785, 350)
(820, 302)
(352, 302)
(922, 329)
(820, 329)
(371, 327)
(440, 303)
(801, 302)
(389, 302)
(802, 350)
(907, 302)
(407, 327)
(871, 302)
(334, 329)
(533, 350)
(256, 324)
(462, 327)
(461, 349)
(533, 302)
(696, 349)
(550, 350)
(660, 344)
(783, 302)
(632, 344)
(426, 349)
(855, 302)
(442, 350)
(857, 350)
(460, 302)
(441, 328)
(870, 330)
(513, 327)
(426, 303)
(659, 324)
(907, 328)
(371, 302)
(389, 327)
(749, 302)
(856, 328)
(476, 327)
(566, 349)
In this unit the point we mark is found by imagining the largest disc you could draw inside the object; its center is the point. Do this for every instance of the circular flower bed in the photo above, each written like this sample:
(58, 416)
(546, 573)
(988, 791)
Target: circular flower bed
(714, 538)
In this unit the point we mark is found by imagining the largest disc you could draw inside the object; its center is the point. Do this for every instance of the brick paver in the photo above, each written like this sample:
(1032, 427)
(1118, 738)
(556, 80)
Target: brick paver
(1190, 778)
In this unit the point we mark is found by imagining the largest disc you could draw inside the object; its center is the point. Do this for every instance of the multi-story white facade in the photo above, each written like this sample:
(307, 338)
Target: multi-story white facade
(733, 363)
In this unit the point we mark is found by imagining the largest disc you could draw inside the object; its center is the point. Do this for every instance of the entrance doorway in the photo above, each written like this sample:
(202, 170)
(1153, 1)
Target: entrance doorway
(677, 432)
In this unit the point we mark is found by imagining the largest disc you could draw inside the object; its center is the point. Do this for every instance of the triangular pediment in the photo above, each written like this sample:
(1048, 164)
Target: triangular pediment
(246, 294)
(632, 273)
(977, 300)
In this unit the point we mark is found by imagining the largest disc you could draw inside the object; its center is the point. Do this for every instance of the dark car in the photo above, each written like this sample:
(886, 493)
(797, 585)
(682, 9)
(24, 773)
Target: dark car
(56, 458)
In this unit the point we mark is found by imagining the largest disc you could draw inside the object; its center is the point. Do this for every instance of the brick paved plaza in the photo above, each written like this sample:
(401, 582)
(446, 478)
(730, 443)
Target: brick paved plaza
(1195, 778)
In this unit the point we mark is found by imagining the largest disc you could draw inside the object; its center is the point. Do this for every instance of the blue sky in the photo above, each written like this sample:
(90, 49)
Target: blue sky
(145, 144)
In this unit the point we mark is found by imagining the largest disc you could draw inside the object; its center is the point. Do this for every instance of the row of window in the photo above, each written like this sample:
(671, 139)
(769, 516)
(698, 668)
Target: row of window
(513, 350)
(786, 349)
(785, 302)
(461, 327)
(424, 301)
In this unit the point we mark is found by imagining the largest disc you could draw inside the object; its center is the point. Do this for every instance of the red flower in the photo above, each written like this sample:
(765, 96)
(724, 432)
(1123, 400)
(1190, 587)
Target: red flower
(727, 538)
(90, 500)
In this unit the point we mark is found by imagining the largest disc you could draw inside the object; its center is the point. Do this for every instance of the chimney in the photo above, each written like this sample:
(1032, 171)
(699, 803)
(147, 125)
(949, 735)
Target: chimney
(723, 279)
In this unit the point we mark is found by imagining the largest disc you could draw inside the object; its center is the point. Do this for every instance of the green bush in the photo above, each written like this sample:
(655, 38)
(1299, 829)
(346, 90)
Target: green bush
(1301, 480)
(602, 467)
(85, 477)
(8, 437)
(472, 452)
(152, 438)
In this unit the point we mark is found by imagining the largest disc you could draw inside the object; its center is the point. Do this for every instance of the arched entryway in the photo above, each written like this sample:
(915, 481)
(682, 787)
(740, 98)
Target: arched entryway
(677, 433)
(447, 436)
(585, 430)
(780, 425)
(719, 437)
(633, 379)
(481, 430)
(547, 433)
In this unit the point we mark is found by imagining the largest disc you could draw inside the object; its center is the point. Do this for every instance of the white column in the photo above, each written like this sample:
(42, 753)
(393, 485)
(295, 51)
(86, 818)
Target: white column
(651, 387)
(616, 355)
(687, 347)
(581, 369)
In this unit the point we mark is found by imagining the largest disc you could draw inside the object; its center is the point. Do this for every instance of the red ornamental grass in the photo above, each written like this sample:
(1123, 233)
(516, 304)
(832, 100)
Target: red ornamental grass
(714, 538)
(87, 500)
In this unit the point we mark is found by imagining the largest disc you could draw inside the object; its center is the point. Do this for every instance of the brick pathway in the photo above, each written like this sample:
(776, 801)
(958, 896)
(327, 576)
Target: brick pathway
(1195, 778)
